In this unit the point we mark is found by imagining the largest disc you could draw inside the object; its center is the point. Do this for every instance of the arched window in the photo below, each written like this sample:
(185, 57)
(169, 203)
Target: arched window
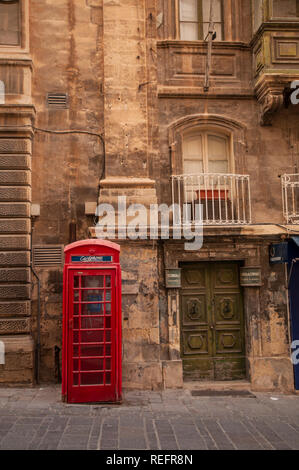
(9, 22)
(194, 16)
(205, 152)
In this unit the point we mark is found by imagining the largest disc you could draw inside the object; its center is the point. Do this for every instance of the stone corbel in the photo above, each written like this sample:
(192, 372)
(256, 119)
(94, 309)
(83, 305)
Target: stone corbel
(271, 104)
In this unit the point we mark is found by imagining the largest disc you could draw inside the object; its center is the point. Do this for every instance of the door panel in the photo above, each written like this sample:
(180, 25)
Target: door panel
(91, 342)
(212, 323)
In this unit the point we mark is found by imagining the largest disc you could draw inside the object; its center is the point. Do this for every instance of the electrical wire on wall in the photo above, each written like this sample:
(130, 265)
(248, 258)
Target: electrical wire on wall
(57, 132)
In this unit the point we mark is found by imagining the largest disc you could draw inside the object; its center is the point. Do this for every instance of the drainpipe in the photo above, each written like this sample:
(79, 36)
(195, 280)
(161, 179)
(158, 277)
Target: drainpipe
(37, 346)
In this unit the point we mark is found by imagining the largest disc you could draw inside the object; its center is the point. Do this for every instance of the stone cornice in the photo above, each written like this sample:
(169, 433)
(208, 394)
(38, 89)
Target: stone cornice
(198, 92)
(261, 231)
(274, 26)
(18, 61)
(162, 44)
(124, 182)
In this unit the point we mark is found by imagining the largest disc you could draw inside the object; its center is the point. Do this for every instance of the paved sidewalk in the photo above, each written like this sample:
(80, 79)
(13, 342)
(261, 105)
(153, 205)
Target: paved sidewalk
(171, 420)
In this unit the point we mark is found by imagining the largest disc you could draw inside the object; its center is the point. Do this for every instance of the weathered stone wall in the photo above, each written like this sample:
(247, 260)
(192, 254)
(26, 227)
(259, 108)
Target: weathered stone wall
(267, 334)
(67, 51)
(128, 77)
(141, 327)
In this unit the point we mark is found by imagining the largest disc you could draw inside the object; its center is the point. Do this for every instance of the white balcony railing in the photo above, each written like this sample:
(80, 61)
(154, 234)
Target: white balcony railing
(290, 198)
(224, 198)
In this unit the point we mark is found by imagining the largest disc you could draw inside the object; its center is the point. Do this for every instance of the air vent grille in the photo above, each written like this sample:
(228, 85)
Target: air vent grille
(57, 100)
(47, 256)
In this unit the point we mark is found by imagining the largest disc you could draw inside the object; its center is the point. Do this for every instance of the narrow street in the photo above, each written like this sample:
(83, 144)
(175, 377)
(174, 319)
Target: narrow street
(36, 419)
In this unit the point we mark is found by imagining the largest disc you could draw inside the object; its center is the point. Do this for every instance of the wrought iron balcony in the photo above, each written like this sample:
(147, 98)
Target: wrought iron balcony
(290, 198)
(224, 199)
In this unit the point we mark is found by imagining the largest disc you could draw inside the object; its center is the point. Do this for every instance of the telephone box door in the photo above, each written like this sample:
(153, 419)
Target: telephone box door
(92, 348)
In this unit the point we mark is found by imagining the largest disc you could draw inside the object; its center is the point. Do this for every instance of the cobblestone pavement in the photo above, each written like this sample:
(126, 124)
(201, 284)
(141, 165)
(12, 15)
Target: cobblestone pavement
(37, 419)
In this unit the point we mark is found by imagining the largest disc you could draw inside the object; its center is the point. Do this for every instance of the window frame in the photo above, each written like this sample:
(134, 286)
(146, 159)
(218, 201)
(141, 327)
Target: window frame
(200, 22)
(23, 46)
(19, 3)
(282, 18)
(204, 132)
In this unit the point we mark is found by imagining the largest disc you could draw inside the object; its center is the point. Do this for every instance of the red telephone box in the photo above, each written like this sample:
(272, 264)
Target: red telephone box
(91, 370)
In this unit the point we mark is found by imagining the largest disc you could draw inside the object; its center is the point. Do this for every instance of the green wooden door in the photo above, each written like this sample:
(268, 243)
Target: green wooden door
(212, 322)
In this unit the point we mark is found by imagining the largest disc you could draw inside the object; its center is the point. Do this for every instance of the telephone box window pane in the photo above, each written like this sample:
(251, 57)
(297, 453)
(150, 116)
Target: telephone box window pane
(10, 23)
(92, 323)
(108, 322)
(76, 323)
(108, 364)
(76, 296)
(92, 379)
(92, 336)
(76, 379)
(92, 309)
(90, 351)
(76, 337)
(76, 309)
(108, 350)
(75, 351)
(92, 281)
(108, 336)
(108, 309)
(76, 282)
(108, 281)
(108, 296)
(92, 364)
(108, 378)
(92, 296)
(76, 365)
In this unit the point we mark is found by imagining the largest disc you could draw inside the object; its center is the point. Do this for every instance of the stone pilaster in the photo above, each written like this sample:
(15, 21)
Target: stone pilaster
(130, 90)
(15, 227)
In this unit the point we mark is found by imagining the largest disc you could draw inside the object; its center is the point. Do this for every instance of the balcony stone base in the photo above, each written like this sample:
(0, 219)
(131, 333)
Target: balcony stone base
(137, 191)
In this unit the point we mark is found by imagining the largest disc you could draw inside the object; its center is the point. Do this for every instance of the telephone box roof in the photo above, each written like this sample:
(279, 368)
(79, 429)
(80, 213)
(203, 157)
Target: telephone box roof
(90, 242)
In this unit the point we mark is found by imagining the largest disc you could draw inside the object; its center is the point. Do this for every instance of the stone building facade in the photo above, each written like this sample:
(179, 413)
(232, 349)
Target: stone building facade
(127, 98)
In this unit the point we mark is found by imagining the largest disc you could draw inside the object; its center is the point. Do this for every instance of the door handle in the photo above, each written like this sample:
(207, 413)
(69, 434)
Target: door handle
(212, 327)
